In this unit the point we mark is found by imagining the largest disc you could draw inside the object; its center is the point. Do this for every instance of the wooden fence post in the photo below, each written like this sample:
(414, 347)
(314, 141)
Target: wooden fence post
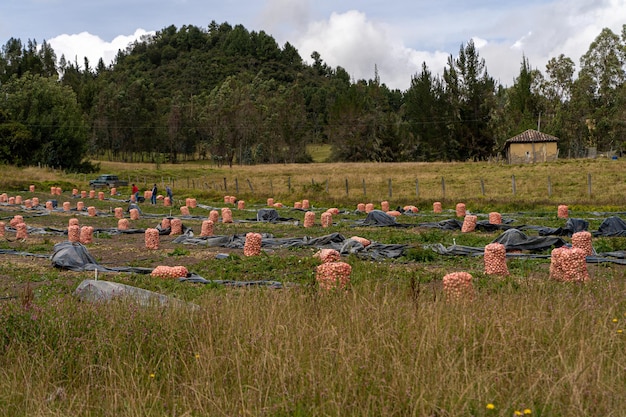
(225, 185)
(549, 187)
(482, 186)
(513, 184)
(250, 185)
(443, 187)
(289, 184)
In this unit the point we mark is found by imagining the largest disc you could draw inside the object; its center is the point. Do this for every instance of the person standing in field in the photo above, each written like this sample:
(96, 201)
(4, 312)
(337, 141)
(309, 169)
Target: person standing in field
(135, 192)
(168, 190)
(154, 194)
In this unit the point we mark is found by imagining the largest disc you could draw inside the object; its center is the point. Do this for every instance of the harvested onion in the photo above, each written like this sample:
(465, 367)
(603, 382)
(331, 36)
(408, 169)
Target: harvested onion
(309, 219)
(327, 219)
(207, 228)
(176, 226)
(163, 271)
(86, 235)
(495, 259)
(469, 223)
(152, 238)
(460, 210)
(252, 246)
(457, 286)
(333, 276)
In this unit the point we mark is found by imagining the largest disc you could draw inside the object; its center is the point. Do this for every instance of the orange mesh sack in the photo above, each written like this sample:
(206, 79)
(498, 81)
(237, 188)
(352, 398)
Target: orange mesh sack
(2, 228)
(227, 216)
(176, 226)
(457, 286)
(184, 211)
(362, 240)
(92, 211)
(17, 219)
(73, 221)
(80, 205)
(384, 205)
(119, 213)
(562, 212)
(86, 235)
(134, 214)
(582, 240)
(122, 224)
(297, 205)
(152, 238)
(460, 210)
(171, 272)
(207, 228)
(73, 233)
(469, 223)
(495, 260)
(360, 207)
(569, 265)
(214, 216)
(327, 255)
(327, 219)
(166, 223)
(495, 218)
(100, 195)
(241, 205)
(252, 246)
(306, 204)
(309, 219)
(21, 231)
(369, 207)
(333, 276)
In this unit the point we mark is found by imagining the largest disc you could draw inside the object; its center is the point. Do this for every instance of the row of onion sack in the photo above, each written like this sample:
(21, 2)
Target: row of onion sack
(567, 264)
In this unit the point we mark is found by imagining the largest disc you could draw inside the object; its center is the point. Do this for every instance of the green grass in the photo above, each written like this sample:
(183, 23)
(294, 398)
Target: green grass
(391, 345)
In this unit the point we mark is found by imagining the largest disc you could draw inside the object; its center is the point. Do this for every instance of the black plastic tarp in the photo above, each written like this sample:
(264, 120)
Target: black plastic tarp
(331, 241)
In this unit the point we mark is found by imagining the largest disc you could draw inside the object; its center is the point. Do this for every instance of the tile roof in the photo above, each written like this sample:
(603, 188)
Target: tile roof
(530, 136)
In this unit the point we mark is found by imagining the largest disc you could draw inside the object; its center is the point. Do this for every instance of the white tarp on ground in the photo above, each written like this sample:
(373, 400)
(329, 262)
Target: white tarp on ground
(96, 290)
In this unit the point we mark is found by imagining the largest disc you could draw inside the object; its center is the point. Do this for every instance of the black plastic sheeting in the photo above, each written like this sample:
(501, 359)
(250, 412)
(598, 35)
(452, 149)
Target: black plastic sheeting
(381, 219)
(332, 241)
(611, 227)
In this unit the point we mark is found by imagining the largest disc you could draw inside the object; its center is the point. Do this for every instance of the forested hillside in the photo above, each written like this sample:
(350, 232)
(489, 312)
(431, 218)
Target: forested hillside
(235, 96)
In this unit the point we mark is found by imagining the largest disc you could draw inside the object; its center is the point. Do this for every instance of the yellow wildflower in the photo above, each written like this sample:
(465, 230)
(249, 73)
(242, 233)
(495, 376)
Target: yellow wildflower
(490, 406)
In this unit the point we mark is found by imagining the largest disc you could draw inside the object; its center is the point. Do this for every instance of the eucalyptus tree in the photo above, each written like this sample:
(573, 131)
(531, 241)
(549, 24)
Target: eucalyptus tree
(604, 66)
(50, 112)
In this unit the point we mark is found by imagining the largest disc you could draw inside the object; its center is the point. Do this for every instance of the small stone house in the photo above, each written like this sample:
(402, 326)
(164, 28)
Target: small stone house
(531, 146)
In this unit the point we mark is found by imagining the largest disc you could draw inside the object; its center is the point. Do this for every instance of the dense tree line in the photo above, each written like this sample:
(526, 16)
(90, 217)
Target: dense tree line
(236, 96)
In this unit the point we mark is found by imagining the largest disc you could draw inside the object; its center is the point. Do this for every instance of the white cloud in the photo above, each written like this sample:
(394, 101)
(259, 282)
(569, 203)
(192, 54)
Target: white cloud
(77, 47)
(360, 45)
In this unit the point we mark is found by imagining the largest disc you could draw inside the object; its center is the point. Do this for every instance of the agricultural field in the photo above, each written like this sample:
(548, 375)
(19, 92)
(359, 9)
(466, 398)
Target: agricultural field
(393, 343)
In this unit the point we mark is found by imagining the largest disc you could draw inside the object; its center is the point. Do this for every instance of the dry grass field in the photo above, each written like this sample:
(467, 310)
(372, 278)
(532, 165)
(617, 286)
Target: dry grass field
(391, 345)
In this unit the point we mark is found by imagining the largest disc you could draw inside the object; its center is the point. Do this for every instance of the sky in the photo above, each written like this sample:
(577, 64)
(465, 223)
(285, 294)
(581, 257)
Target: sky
(393, 37)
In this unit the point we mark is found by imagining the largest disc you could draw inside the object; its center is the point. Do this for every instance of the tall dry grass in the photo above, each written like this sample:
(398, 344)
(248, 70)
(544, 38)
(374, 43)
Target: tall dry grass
(579, 181)
(551, 349)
